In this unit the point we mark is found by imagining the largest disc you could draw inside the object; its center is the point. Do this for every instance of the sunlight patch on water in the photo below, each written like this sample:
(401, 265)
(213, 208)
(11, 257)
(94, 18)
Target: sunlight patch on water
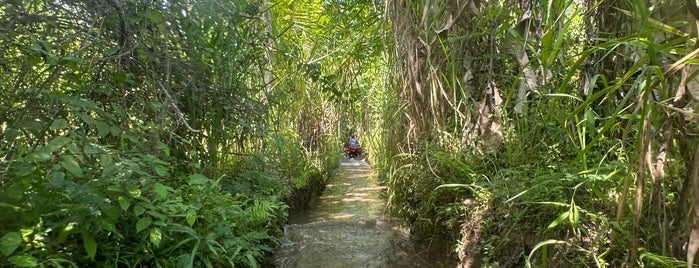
(341, 244)
(346, 227)
(349, 162)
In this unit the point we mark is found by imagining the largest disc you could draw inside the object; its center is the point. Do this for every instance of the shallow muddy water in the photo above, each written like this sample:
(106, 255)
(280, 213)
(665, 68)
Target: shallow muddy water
(347, 227)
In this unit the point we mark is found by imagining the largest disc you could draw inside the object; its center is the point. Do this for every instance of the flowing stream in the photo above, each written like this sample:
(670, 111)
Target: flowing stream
(347, 227)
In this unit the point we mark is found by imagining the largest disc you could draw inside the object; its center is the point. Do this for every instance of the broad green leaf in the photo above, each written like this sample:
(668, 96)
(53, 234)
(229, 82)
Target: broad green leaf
(57, 143)
(106, 224)
(102, 128)
(198, 179)
(11, 134)
(138, 210)
(191, 217)
(107, 161)
(156, 214)
(160, 170)
(25, 168)
(143, 223)
(58, 124)
(86, 118)
(58, 177)
(68, 162)
(111, 211)
(124, 203)
(92, 149)
(10, 242)
(109, 169)
(147, 205)
(113, 50)
(74, 149)
(23, 261)
(90, 245)
(115, 130)
(114, 188)
(161, 190)
(163, 147)
(155, 236)
(41, 154)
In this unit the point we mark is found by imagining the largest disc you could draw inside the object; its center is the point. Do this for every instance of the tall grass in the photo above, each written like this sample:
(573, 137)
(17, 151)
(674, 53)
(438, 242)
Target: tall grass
(589, 173)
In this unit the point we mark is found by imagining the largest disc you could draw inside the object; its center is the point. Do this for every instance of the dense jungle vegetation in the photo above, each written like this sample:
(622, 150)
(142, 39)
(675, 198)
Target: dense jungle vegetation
(182, 133)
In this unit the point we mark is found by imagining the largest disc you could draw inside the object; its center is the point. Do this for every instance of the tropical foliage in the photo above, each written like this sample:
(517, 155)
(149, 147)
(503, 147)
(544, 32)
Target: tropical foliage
(510, 133)
(159, 133)
(545, 132)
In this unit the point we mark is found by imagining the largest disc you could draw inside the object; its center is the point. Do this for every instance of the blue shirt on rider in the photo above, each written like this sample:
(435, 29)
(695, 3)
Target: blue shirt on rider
(353, 142)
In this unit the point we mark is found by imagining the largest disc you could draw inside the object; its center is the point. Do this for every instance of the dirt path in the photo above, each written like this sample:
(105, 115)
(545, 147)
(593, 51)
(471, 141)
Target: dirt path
(346, 227)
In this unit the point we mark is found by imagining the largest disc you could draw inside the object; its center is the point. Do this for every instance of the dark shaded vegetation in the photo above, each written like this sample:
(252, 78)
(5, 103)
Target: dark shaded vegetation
(149, 134)
(510, 133)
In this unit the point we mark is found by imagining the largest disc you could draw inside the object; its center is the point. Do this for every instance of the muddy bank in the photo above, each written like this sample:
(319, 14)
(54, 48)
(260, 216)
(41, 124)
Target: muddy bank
(301, 198)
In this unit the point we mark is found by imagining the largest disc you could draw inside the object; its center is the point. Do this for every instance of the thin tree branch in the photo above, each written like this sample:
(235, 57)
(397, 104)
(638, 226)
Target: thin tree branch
(179, 114)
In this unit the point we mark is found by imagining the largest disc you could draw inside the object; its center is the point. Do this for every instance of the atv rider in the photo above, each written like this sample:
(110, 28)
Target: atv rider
(353, 143)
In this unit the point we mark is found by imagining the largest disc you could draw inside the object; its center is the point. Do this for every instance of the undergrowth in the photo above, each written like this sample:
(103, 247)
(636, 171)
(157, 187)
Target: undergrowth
(532, 203)
(77, 202)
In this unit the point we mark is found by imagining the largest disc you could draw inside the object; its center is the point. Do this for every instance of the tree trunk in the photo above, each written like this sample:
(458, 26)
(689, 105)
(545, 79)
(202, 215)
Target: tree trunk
(643, 159)
(527, 79)
(693, 243)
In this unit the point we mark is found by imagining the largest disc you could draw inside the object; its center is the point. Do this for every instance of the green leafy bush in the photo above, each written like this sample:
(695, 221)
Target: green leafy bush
(79, 202)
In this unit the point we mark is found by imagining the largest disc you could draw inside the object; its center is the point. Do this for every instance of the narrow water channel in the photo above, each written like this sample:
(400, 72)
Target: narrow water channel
(347, 227)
